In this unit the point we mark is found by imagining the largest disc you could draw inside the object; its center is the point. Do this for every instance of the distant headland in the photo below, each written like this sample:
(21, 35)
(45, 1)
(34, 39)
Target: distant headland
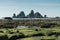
(30, 15)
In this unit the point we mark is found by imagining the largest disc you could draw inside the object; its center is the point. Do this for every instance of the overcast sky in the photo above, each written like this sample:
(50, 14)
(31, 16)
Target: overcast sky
(49, 7)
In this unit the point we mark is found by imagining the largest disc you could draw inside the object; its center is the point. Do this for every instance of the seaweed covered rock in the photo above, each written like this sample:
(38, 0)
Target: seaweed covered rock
(54, 33)
(15, 36)
(3, 36)
(48, 25)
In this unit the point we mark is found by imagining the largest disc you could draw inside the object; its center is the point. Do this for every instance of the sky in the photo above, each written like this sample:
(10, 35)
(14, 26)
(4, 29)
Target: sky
(51, 8)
